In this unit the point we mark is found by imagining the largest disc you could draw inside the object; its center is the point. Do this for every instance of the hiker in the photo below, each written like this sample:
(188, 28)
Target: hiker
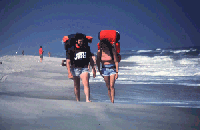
(49, 54)
(108, 55)
(78, 59)
(22, 52)
(41, 53)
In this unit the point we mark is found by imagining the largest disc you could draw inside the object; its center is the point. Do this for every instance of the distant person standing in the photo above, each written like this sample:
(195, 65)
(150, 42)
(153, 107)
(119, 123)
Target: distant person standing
(49, 54)
(41, 53)
(22, 52)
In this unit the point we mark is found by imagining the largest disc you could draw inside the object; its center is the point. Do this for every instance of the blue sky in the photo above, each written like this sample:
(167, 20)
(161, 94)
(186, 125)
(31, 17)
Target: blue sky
(143, 24)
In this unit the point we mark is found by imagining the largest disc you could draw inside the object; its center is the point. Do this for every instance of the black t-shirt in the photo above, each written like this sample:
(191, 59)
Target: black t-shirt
(79, 57)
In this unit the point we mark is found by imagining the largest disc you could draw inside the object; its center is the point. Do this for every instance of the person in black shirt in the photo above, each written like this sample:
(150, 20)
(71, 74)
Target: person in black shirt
(78, 59)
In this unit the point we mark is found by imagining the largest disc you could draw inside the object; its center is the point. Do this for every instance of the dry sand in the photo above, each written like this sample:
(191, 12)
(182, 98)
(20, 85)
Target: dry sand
(36, 96)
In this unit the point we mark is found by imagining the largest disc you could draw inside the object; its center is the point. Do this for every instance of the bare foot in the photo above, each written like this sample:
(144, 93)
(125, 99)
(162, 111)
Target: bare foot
(88, 101)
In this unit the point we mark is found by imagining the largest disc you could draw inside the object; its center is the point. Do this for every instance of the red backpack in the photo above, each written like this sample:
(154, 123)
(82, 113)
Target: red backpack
(113, 37)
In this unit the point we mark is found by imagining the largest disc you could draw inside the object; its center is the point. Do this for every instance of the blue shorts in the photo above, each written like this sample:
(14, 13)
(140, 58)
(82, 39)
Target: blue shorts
(78, 71)
(41, 56)
(108, 70)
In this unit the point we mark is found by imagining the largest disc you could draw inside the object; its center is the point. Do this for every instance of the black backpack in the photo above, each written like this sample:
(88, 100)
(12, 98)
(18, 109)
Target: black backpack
(70, 42)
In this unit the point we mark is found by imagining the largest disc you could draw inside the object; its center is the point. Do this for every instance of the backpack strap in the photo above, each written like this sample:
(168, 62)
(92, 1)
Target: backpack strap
(100, 51)
(72, 51)
(111, 50)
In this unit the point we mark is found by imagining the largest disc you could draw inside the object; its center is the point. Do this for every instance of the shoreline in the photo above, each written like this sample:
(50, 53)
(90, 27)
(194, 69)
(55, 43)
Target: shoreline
(60, 114)
(149, 94)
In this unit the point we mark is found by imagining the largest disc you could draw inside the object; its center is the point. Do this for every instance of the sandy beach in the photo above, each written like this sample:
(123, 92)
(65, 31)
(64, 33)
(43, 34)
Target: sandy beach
(39, 96)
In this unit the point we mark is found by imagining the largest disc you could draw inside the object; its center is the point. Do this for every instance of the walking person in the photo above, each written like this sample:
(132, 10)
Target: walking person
(22, 52)
(49, 54)
(78, 59)
(107, 56)
(41, 53)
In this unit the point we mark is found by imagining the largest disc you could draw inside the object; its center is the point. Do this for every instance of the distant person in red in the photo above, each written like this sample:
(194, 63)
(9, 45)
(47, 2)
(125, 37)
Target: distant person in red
(41, 53)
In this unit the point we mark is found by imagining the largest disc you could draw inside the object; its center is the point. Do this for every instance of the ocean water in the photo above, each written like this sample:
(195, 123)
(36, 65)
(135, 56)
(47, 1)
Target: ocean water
(168, 77)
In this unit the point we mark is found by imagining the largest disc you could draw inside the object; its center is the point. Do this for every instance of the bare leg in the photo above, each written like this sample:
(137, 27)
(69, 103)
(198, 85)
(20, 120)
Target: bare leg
(85, 80)
(107, 80)
(112, 82)
(77, 88)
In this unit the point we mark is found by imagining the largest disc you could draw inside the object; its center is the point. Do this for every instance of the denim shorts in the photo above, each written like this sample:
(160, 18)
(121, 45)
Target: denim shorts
(41, 55)
(107, 70)
(78, 71)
